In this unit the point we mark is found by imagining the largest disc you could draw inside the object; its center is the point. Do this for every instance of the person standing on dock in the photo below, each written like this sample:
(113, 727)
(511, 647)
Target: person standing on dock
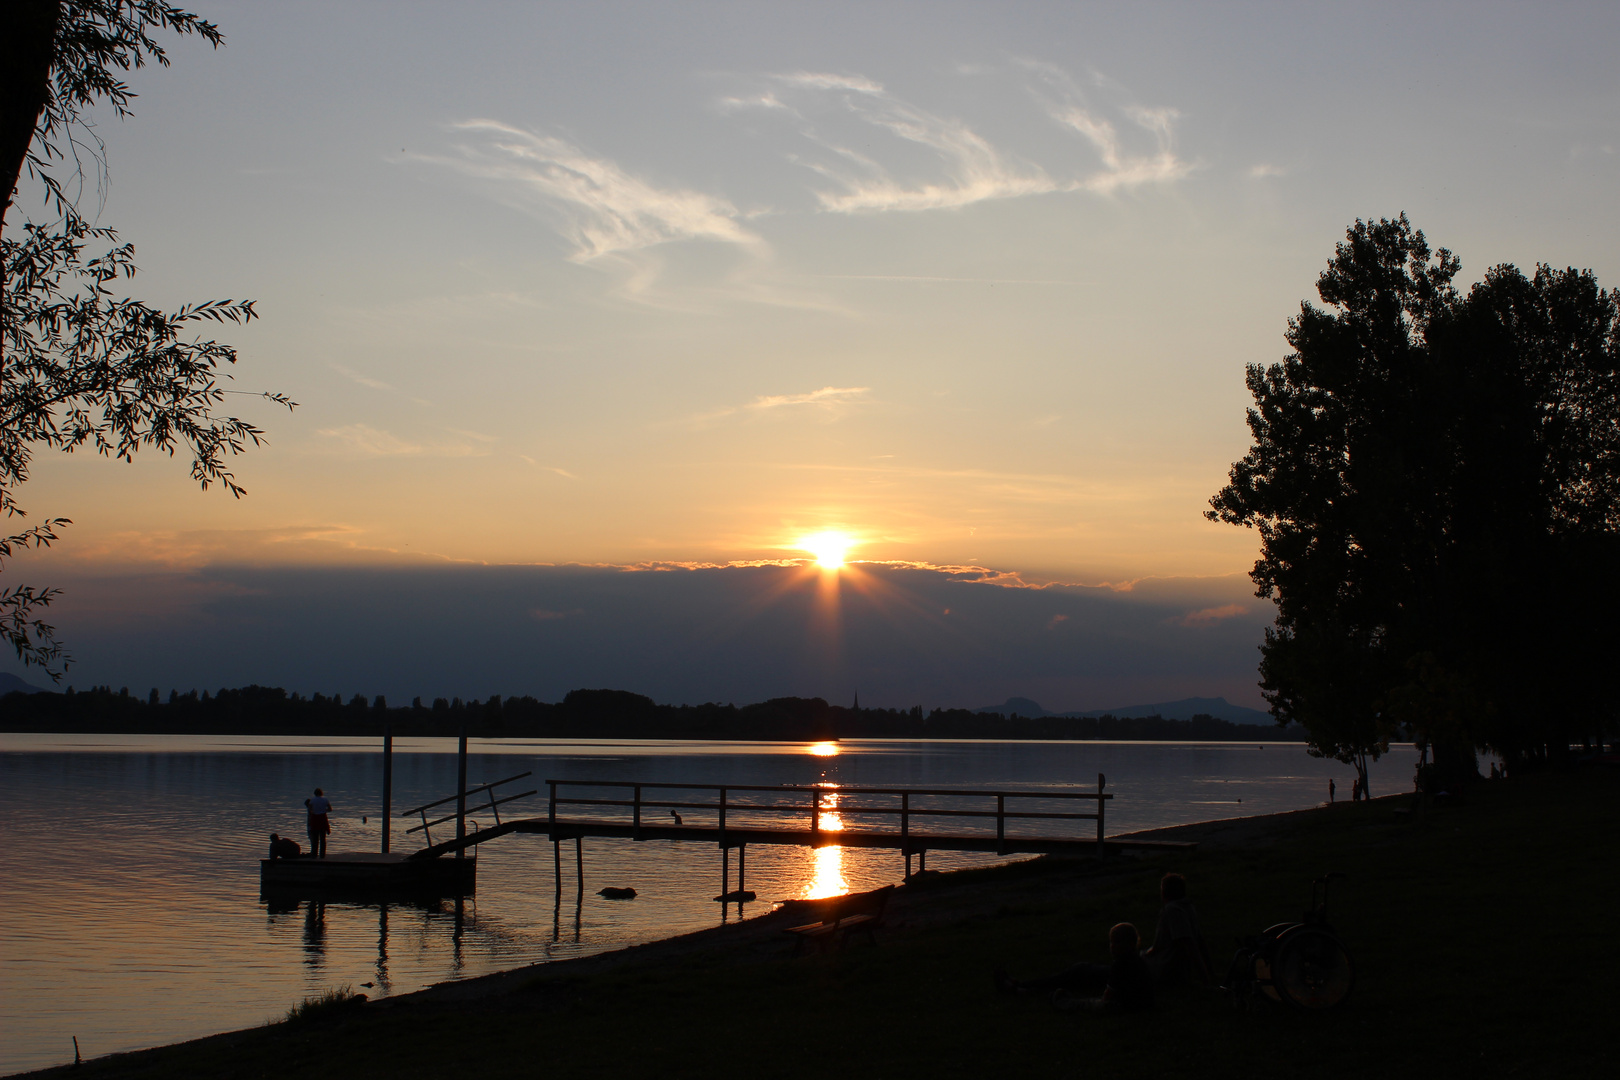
(319, 807)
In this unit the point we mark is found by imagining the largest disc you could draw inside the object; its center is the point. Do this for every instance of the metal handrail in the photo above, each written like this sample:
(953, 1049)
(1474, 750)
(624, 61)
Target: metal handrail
(462, 796)
(470, 791)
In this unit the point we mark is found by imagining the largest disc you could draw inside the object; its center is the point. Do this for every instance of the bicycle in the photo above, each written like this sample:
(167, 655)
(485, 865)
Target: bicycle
(1302, 964)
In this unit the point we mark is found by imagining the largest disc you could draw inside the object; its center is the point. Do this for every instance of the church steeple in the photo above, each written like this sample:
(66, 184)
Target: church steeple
(857, 706)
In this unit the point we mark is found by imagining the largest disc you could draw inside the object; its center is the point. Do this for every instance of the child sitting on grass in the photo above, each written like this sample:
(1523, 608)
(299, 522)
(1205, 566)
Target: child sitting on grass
(1123, 985)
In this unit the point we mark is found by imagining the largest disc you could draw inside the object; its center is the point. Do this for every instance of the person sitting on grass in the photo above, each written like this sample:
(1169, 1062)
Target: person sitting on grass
(1178, 948)
(1123, 985)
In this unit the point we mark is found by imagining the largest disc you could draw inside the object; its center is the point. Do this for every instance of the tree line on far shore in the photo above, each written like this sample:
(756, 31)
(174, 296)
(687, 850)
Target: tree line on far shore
(264, 710)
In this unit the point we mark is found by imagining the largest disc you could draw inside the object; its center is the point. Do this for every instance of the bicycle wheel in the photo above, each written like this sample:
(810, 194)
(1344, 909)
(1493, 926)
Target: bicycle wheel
(1312, 969)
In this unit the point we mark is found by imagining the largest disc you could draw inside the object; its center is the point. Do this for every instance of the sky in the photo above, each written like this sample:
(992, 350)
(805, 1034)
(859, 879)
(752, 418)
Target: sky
(633, 286)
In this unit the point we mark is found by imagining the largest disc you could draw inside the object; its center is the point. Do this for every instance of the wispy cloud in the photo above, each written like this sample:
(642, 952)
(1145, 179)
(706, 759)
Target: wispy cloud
(1210, 616)
(1265, 170)
(1070, 107)
(375, 442)
(830, 403)
(603, 208)
(974, 169)
(828, 398)
(548, 468)
(959, 165)
(363, 380)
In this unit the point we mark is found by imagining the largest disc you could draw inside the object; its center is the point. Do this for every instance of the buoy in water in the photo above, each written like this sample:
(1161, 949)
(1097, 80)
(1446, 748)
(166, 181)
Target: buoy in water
(614, 892)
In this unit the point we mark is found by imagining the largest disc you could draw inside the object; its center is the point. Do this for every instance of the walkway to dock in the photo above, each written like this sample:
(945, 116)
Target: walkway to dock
(734, 816)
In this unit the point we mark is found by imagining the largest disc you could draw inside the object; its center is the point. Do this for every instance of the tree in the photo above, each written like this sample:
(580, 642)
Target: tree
(82, 366)
(1436, 483)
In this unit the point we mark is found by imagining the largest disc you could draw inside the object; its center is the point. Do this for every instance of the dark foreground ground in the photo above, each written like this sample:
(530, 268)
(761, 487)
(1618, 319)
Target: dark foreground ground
(1486, 936)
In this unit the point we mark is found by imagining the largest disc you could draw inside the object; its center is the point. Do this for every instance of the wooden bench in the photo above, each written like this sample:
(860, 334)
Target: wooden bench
(842, 916)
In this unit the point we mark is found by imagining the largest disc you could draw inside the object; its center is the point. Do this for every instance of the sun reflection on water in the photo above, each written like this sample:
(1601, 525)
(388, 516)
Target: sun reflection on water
(827, 876)
(822, 749)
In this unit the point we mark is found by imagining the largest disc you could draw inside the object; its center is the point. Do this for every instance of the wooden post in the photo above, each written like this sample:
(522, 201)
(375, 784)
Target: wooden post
(556, 864)
(635, 828)
(722, 819)
(551, 815)
(1102, 782)
(1001, 824)
(388, 785)
(905, 829)
(725, 875)
(742, 869)
(922, 861)
(461, 790)
(815, 814)
(579, 867)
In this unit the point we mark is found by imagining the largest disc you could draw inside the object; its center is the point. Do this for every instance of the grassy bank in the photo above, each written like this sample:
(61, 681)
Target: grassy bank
(1485, 939)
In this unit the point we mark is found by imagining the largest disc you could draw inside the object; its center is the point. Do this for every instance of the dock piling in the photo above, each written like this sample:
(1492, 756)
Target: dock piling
(388, 783)
(461, 791)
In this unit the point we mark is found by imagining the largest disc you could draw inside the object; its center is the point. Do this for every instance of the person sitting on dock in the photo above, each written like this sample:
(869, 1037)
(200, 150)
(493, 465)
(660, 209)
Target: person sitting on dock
(1178, 948)
(283, 847)
(1123, 985)
(319, 825)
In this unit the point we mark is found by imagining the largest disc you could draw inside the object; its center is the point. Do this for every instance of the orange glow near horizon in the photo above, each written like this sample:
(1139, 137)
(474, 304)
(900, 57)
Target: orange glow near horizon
(828, 547)
(822, 749)
(827, 877)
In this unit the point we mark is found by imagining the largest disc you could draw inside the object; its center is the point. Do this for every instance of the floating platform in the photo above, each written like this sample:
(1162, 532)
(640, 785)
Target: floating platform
(367, 875)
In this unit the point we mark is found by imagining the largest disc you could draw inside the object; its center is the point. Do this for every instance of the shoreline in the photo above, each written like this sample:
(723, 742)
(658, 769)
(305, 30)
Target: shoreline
(953, 897)
(655, 1007)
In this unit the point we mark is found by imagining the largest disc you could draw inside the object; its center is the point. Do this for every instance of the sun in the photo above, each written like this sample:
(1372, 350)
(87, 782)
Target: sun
(829, 548)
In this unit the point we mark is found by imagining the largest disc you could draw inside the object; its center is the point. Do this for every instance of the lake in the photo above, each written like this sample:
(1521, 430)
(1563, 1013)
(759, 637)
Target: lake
(131, 863)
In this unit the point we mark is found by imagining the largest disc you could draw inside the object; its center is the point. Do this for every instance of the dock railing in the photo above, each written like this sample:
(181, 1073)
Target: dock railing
(492, 805)
(798, 800)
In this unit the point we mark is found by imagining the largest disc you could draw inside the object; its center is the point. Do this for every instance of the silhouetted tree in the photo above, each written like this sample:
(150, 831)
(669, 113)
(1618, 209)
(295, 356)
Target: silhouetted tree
(80, 366)
(1436, 483)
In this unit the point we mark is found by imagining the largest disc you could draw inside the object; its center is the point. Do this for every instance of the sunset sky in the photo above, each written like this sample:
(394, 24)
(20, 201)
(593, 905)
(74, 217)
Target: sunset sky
(621, 284)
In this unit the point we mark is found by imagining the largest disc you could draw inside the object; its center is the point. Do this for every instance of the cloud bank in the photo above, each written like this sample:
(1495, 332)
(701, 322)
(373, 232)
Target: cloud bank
(899, 635)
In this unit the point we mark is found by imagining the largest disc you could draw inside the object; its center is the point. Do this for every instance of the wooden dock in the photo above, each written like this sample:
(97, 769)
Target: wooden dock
(365, 874)
(731, 817)
(806, 816)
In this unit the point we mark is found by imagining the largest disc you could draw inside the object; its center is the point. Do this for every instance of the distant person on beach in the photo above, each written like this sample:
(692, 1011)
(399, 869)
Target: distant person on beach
(1178, 948)
(319, 825)
(282, 847)
(1122, 985)
(1331, 789)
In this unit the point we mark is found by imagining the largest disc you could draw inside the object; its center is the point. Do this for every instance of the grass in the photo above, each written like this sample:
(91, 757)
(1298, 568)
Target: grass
(1484, 936)
(322, 1004)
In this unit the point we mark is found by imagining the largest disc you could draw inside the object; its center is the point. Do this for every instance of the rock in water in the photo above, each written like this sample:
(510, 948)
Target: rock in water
(737, 896)
(613, 892)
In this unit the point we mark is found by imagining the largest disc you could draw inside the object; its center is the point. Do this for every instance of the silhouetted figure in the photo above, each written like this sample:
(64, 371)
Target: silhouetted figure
(319, 824)
(1178, 948)
(1122, 985)
(284, 848)
(1331, 789)
(676, 816)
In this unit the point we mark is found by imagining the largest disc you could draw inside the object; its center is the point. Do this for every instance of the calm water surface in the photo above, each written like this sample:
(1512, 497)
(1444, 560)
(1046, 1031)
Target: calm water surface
(130, 867)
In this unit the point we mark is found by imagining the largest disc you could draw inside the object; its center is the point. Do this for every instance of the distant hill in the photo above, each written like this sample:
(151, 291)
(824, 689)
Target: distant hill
(1185, 709)
(598, 713)
(11, 684)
